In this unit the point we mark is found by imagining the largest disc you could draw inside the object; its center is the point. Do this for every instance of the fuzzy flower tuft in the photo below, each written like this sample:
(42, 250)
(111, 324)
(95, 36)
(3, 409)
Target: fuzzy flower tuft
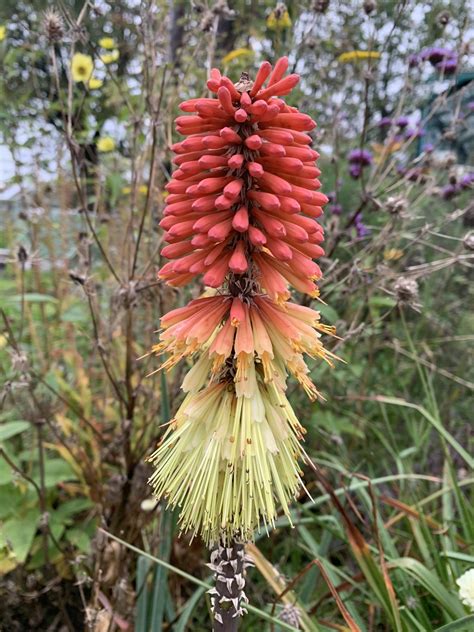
(466, 588)
(229, 462)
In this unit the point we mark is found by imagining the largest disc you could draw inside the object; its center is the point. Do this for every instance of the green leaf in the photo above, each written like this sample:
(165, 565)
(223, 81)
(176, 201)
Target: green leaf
(32, 297)
(71, 507)
(464, 624)
(56, 471)
(18, 533)
(141, 608)
(182, 623)
(79, 539)
(397, 401)
(74, 314)
(382, 301)
(449, 602)
(462, 557)
(328, 313)
(12, 428)
(6, 471)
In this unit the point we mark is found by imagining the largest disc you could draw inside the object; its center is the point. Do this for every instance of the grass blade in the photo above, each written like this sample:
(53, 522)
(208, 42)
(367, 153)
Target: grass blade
(449, 602)
(465, 624)
(180, 625)
(397, 401)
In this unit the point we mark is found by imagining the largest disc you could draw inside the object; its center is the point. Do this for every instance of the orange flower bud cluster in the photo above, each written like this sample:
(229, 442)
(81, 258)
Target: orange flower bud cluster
(246, 189)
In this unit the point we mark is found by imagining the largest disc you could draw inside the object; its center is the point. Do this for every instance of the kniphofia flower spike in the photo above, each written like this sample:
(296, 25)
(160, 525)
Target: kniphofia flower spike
(242, 214)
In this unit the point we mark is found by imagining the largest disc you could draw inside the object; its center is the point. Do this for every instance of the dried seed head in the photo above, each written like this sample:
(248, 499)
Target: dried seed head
(19, 361)
(320, 6)
(291, 615)
(207, 21)
(406, 292)
(369, 6)
(222, 8)
(469, 241)
(396, 205)
(279, 10)
(77, 277)
(22, 255)
(53, 25)
(443, 18)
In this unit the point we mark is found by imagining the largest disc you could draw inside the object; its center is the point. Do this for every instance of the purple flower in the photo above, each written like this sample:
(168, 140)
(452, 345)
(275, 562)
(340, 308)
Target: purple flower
(331, 196)
(361, 157)
(415, 175)
(428, 148)
(414, 60)
(335, 209)
(437, 54)
(449, 191)
(385, 121)
(361, 228)
(470, 106)
(448, 66)
(355, 171)
(414, 132)
(402, 121)
(466, 181)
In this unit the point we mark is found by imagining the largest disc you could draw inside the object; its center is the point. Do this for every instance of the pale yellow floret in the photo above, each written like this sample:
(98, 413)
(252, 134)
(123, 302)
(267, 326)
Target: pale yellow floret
(229, 462)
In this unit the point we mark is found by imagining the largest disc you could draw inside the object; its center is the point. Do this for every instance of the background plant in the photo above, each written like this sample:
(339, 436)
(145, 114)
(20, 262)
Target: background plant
(391, 526)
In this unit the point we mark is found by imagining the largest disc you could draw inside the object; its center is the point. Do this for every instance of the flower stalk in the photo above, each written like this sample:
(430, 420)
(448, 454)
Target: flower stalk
(228, 597)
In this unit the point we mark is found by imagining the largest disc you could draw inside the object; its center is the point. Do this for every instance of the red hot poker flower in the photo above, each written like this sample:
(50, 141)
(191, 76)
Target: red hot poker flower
(245, 194)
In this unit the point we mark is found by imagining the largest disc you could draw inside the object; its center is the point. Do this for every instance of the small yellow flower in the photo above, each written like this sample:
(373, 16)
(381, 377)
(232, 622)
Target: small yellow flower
(279, 20)
(105, 144)
(392, 254)
(142, 189)
(3, 32)
(109, 58)
(238, 52)
(356, 55)
(95, 84)
(107, 43)
(81, 67)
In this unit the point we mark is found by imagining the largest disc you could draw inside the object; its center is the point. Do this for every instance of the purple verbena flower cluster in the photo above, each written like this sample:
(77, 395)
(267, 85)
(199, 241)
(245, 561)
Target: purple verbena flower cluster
(452, 189)
(443, 59)
(358, 159)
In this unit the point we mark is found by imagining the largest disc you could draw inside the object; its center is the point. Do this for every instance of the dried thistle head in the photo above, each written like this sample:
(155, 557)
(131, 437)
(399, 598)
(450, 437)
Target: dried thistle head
(291, 615)
(396, 205)
(207, 21)
(22, 255)
(53, 25)
(443, 18)
(222, 8)
(406, 292)
(468, 241)
(279, 10)
(369, 6)
(320, 6)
